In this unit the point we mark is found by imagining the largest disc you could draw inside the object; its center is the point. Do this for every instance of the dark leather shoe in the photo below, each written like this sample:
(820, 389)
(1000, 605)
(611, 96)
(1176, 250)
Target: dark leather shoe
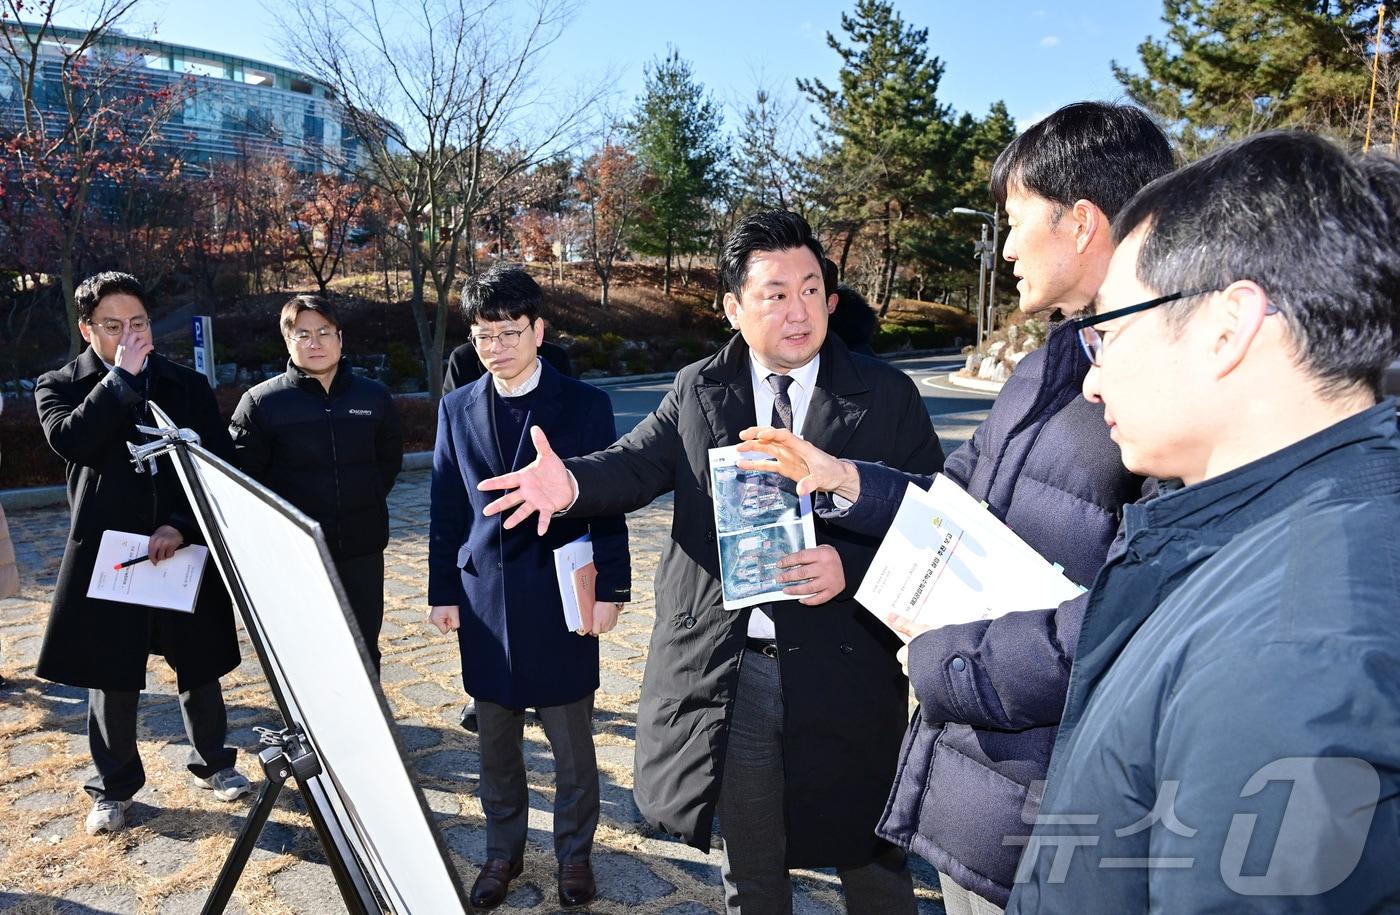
(576, 886)
(493, 882)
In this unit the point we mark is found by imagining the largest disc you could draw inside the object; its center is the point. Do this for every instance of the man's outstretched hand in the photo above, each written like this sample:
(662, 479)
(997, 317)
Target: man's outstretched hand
(541, 487)
(812, 469)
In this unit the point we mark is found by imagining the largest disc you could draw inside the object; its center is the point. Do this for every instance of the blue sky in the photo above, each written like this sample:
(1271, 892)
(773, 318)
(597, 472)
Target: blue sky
(1034, 54)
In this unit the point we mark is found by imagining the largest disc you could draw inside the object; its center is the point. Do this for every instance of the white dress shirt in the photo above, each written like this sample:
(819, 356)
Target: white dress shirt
(804, 379)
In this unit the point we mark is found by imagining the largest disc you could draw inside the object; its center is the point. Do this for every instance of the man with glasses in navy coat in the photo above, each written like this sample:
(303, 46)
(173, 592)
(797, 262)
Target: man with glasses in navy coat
(498, 590)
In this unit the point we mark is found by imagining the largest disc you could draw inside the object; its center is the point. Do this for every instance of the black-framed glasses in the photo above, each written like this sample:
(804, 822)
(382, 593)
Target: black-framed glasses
(1091, 341)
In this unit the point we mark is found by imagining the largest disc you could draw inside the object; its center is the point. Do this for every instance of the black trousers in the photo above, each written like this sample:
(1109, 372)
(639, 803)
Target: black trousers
(362, 577)
(753, 821)
(112, 738)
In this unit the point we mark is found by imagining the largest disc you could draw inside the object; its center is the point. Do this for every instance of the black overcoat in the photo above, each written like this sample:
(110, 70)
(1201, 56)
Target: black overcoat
(89, 414)
(846, 699)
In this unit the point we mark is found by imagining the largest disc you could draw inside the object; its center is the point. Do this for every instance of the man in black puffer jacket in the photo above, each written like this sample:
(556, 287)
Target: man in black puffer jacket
(991, 692)
(328, 441)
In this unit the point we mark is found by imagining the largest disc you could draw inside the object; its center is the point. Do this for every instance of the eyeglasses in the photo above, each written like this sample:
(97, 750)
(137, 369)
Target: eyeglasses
(114, 328)
(302, 337)
(1091, 341)
(509, 339)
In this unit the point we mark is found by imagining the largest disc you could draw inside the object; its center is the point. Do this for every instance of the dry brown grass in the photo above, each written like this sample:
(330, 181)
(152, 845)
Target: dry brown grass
(914, 311)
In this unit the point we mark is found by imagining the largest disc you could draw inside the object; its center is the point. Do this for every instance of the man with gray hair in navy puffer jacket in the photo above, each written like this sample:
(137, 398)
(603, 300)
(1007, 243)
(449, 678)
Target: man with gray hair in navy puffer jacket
(973, 759)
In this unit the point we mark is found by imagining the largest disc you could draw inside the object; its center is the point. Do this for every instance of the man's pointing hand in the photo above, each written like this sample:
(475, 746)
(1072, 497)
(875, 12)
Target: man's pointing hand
(543, 486)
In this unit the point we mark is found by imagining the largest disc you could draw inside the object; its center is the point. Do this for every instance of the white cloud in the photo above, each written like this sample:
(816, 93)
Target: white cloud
(1049, 41)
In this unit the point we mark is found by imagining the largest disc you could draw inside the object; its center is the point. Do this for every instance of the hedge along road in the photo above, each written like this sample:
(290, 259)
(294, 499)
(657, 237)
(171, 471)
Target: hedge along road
(955, 413)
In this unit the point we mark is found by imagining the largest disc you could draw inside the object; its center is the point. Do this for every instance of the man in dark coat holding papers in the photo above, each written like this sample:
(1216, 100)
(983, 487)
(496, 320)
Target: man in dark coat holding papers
(498, 589)
(786, 718)
(89, 410)
(990, 692)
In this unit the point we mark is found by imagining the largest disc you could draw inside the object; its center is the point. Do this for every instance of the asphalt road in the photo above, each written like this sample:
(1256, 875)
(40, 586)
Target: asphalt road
(955, 411)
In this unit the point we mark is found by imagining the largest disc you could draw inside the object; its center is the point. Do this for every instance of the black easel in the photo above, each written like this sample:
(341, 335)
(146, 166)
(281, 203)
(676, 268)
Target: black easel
(288, 755)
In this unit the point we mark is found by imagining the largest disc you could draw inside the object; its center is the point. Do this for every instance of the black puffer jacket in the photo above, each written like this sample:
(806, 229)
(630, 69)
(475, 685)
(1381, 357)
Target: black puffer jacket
(334, 455)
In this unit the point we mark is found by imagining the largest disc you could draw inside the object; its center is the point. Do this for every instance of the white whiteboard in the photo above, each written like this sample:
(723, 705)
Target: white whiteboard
(297, 605)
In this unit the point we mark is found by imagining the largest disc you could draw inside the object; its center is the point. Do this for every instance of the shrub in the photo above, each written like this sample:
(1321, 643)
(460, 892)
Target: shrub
(25, 457)
(403, 363)
(229, 286)
(418, 417)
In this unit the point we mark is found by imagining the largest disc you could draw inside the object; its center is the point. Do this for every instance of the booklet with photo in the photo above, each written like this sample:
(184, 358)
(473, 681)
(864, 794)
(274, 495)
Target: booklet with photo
(948, 560)
(759, 519)
(170, 585)
(573, 565)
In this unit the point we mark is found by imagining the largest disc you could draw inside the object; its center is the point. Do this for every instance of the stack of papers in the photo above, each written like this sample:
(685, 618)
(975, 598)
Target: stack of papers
(573, 564)
(171, 585)
(947, 560)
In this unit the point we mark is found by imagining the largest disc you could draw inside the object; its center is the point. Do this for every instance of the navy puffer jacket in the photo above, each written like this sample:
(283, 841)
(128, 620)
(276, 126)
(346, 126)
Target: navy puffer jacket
(991, 692)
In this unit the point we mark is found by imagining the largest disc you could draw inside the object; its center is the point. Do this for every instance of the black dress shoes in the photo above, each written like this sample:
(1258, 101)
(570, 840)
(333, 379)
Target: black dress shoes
(493, 882)
(576, 886)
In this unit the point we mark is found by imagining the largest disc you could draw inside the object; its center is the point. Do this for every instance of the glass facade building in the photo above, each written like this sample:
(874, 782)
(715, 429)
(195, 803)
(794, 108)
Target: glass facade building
(232, 107)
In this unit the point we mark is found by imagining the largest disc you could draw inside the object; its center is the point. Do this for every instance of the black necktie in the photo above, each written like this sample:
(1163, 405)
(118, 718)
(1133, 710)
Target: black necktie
(782, 404)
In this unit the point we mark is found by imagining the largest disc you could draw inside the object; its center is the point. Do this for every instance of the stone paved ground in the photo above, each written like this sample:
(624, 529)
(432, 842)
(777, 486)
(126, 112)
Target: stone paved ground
(169, 858)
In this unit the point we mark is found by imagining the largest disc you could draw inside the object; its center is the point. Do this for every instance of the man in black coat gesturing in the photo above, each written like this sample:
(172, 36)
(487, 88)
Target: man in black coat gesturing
(89, 410)
(785, 719)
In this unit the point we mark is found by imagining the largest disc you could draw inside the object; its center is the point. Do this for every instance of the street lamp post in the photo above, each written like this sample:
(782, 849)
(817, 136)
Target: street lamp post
(988, 263)
(981, 249)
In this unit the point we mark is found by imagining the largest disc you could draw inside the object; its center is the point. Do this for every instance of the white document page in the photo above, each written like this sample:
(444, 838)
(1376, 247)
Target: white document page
(759, 519)
(171, 585)
(947, 560)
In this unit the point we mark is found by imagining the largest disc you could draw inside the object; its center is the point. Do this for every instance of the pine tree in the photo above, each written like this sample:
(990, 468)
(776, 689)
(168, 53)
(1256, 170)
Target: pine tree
(1230, 67)
(890, 140)
(765, 168)
(676, 134)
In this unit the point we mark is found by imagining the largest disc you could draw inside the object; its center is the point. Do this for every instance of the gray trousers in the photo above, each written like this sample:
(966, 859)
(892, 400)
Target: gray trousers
(505, 797)
(958, 901)
(751, 814)
(112, 738)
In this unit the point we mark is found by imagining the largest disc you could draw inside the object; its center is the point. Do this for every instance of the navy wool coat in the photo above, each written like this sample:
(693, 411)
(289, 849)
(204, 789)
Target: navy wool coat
(516, 648)
(990, 692)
